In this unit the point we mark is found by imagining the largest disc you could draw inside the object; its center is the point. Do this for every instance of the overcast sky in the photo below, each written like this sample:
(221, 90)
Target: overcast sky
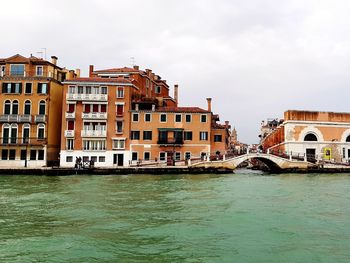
(255, 58)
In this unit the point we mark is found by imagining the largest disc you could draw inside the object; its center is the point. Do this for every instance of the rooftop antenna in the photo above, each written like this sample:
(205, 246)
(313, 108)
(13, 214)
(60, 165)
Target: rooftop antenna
(44, 48)
(132, 61)
(40, 54)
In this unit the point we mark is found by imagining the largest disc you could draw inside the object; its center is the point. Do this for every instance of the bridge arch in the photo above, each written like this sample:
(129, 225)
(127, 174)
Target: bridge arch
(271, 164)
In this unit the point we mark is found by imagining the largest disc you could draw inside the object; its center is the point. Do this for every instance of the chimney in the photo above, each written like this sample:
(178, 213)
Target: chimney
(70, 74)
(77, 72)
(209, 104)
(226, 124)
(136, 67)
(91, 69)
(54, 60)
(176, 93)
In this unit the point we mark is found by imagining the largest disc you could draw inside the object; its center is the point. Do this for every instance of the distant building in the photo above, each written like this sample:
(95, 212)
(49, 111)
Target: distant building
(30, 111)
(314, 135)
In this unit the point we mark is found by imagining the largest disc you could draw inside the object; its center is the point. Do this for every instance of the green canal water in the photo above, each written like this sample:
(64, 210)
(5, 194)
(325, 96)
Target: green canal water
(242, 217)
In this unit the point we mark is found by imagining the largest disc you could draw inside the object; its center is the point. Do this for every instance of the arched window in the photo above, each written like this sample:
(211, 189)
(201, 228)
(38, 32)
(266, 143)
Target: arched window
(27, 107)
(310, 137)
(7, 108)
(14, 107)
(348, 138)
(41, 131)
(26, 133)
(5, 133)
(14, 131)
(42, 106)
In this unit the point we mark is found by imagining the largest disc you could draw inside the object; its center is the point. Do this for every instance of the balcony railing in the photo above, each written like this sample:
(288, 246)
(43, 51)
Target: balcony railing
(40, 118)
(70, 115)
(69, 133)
(16, 118)
(94, 115)
(170, 141)
(31, 73)
(88, 97)
(25, 118)
(93, 133)
(28, 141)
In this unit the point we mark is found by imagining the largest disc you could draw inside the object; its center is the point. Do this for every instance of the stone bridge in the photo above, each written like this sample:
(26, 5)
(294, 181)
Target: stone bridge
(274, 163)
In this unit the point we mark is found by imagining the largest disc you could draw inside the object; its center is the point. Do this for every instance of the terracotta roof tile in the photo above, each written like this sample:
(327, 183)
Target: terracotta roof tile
(117, 70)
(106, 80)
(182, 109)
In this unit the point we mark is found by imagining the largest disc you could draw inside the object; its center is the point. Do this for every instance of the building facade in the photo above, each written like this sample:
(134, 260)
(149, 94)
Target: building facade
(312, 135)
(30, 111)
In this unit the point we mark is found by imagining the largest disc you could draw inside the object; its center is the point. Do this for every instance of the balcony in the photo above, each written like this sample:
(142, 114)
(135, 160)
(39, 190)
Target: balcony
(95, 115)
(25, 118)
(40, 118)
(70, 115)
(93, 133)
(87, 97)
(15, 141)
(170, 142)
(170, 137)
(69, 133)
(8, 74)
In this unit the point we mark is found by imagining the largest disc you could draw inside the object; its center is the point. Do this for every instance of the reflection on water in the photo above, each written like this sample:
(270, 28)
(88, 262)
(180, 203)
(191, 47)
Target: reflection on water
(243, 217)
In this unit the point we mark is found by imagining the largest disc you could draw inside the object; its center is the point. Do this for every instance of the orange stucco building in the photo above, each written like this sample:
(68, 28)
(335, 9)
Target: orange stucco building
(30, 111)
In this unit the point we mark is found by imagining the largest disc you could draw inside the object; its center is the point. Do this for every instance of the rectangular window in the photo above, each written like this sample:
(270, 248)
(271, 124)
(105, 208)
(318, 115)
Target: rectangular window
(32, 155)
(41, 133)
(135, 117)
(95, 108)
(103, 108)
(119, 144)
(203, 118)
(203, 136)
(87, 108)
(162, 156)
(157, 89)
(80, 89)
(12, 155)
(119, 127)
(146, 156)
(71, 108)
(28, 89)
(70, 144)
(103, 90)
(188, 117)
(71, 89)
(217, 138)
(69, 159)
(187, 155)
(147, 135)
(101, 159)
(42, 88)
(135, 135)
(39, 70)
(93, 159)
(85, 158)
(17, 70)
(23, 155)
(177, 156)
(178, 118)
(147, 117)
(188, 136)
(134, 156)
(40, 154)
(4, 154)
(120, 109)
(163, 117)
(120, 92)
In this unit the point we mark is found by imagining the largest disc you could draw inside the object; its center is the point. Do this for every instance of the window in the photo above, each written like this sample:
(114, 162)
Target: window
(70, 125)
(23, 155)
(135, 135)
(177, 117)
(28, 89)
(2, 71)
(39, 70)
(147, 135)
(85, 158)
(162, 156)
(203, 136)
(146, 156)
(40, 154)
(147, 117)
(42, 88)
(4, 154)
(80, 89)
(188, 117)
(7, 107)
(347, 139)
(14, 107)
(41, 131)
(71, 108)
(163, 117)
(70, 144)
(32, 155)
(88, 90)
(119, 127)
(188, 136)
(94, 145)
(157, 89)
(135, 117)
(134, 156)
(120, 109)
(12, 155)
(5, 133)
(25, 133)
(118, 143)
(103, 90)
(101, 159)
(69, 159)
(93, 159)
(217, 138)
(13, 137)
(71, 89)
(12, 88)
(94, 107)
(120, 92)
(203, 118)
(87, 108)
(103, 108)
(42, 106)
(177, 156)
(17, 70)
(310, 138)
(187, 155)
(27, 107)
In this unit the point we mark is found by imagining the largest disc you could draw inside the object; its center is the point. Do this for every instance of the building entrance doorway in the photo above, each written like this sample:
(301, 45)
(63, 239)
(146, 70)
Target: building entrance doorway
(311, 155)
(170, 159)
(118, 159)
